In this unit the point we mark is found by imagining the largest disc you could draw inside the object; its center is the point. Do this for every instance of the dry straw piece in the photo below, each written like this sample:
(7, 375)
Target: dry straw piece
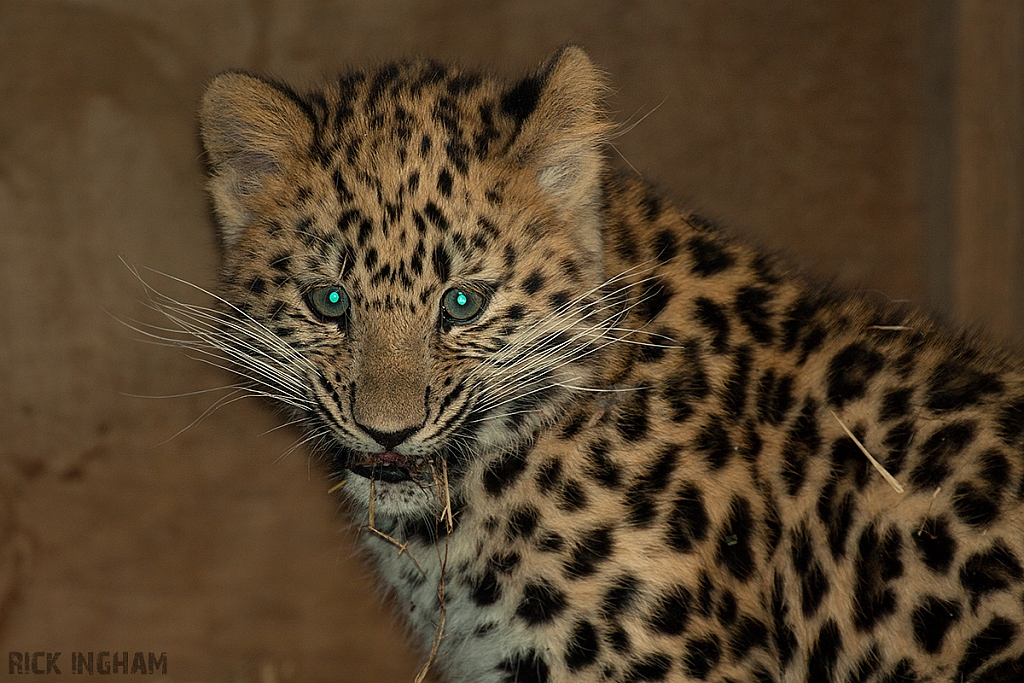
(878, 466)
(445, 515)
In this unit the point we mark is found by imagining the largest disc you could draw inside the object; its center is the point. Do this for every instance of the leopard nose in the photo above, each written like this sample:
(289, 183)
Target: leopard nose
(389, 439)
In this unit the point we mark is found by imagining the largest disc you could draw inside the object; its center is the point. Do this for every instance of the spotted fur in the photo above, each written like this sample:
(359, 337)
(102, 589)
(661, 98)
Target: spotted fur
(642, 461)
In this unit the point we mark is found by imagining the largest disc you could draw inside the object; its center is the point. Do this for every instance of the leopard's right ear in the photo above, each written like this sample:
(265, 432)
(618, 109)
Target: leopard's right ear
(253, 131)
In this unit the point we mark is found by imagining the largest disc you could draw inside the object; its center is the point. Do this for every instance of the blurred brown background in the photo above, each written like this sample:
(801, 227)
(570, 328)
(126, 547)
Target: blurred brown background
(878, 142)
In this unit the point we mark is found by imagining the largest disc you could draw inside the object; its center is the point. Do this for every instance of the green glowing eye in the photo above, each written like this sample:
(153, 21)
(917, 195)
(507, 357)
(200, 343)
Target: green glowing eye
(329, 302)
(461, 305)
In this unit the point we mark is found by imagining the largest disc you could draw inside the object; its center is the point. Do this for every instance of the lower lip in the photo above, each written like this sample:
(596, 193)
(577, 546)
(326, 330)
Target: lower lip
(388, 473)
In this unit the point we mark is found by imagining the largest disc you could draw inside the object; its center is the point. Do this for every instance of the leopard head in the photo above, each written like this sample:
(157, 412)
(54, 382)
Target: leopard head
(412, 260)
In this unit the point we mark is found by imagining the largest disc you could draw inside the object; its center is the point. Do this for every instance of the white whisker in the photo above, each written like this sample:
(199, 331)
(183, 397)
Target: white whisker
(229, 340)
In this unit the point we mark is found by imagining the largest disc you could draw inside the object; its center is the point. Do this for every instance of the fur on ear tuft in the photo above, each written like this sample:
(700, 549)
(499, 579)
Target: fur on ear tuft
(251, 130)
(562, 128)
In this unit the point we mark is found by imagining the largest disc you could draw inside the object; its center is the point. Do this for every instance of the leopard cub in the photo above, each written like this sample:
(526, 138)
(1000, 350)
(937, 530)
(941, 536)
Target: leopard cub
(590, 437)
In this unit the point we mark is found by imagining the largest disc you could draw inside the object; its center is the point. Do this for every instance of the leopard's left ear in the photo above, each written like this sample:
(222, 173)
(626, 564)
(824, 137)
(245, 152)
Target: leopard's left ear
(561, 130)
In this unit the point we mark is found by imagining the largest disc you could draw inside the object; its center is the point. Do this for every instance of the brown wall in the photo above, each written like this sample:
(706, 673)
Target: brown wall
(880, 143)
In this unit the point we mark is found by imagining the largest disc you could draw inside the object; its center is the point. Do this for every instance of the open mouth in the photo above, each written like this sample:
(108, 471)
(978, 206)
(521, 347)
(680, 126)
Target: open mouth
(385, 466)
